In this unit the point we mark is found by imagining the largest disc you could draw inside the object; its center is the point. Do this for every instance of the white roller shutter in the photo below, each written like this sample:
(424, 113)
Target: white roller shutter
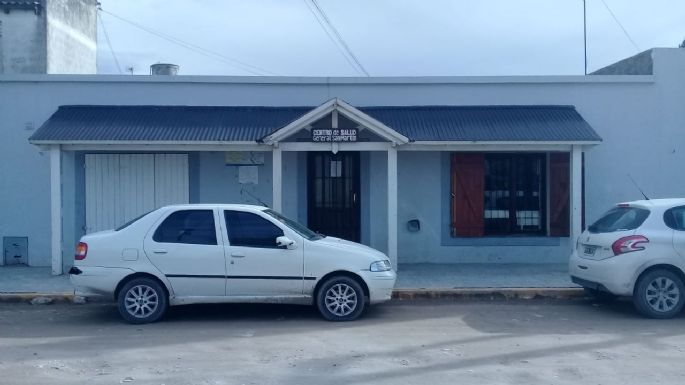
(171, 179)
(120, 187)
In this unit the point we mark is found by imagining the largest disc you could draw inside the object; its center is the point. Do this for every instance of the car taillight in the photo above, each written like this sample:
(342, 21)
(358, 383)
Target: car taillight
(629, 244)
(81, 251)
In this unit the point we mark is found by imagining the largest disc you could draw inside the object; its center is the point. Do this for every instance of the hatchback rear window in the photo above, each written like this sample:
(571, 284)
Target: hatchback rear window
(619, 219)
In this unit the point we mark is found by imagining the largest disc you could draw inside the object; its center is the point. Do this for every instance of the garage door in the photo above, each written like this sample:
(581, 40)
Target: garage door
(120, 187)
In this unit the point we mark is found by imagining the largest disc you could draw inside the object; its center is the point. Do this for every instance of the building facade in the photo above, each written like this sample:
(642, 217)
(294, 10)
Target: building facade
(432, 170)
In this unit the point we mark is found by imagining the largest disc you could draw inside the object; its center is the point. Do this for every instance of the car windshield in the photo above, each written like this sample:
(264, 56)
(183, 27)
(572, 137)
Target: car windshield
(295, 226)
(619, 219)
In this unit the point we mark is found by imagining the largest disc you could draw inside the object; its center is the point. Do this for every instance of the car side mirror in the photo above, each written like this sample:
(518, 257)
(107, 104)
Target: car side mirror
(285, 242)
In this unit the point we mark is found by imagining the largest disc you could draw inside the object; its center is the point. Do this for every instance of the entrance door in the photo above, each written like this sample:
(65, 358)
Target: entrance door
(333, 203)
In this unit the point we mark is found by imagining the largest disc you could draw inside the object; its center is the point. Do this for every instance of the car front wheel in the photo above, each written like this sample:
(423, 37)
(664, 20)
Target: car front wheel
(340, 299)
(142, 300)
(659, 294)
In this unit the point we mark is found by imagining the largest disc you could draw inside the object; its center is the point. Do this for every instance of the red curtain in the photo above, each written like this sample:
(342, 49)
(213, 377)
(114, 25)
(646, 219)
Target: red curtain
(468, 184)
(559, 194)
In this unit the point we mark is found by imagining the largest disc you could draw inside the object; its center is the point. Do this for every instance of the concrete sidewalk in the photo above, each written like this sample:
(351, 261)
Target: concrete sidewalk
(415, 281)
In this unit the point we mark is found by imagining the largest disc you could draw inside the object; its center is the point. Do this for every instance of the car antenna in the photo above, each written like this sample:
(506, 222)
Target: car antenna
(638, 187)
(253, 196)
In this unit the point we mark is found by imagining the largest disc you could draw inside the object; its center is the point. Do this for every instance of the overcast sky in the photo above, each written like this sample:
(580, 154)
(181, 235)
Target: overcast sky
(389, 37)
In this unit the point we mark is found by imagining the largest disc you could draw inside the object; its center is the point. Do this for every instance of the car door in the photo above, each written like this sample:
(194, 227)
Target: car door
(257, 266)
(187, 248)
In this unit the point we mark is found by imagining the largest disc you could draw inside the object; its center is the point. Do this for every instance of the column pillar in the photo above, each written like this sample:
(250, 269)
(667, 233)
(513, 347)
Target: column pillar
(392, 205)
(277, 179)
(56, 208)
(576, 194)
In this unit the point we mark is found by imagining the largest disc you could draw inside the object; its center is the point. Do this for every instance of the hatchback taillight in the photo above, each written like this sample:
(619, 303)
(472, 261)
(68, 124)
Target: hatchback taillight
(629, 244)
(81, 251)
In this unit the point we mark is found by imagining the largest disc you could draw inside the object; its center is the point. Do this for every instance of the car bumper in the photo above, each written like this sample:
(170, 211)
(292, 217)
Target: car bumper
(614, 275)
(96, 281)
(380, 285)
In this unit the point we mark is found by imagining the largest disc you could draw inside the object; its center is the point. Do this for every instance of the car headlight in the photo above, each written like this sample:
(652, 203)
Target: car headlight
(380, 266)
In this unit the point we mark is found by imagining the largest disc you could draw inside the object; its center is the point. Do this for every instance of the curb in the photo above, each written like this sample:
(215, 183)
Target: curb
(31, 296)
(480, 294)
(489, 294)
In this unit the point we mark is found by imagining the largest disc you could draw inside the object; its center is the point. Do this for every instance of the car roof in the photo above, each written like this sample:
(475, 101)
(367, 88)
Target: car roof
(219, 205)
(657, 203)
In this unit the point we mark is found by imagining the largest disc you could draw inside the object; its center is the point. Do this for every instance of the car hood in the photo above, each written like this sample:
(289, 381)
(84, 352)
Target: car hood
(352, 247)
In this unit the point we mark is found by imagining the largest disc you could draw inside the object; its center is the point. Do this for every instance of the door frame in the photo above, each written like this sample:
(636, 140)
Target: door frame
(355, 211)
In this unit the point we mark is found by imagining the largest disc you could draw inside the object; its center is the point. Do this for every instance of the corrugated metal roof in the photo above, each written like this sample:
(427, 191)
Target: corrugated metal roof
(486, 123)
(226, 124)
(165, 123)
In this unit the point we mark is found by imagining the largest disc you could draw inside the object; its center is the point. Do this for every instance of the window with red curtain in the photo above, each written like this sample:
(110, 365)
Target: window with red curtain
(506, 194)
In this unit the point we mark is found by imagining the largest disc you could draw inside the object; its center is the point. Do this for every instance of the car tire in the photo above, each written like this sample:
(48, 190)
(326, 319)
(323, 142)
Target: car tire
(340, 299)
(142, 300)
(599, 295)
(659, 294)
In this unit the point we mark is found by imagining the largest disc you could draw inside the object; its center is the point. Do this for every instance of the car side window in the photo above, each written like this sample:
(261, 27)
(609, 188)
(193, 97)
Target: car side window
(194, 227)
(675, 218)
(251, 230)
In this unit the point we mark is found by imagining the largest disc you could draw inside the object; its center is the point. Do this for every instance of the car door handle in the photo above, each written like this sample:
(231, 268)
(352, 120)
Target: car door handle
(159, 251)
(237, 256)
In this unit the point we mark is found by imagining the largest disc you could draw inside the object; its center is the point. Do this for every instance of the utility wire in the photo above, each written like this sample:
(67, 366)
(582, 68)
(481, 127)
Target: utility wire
(621, 25)
(190, 46)
(104, 30)
(317, 17)
(338, 37)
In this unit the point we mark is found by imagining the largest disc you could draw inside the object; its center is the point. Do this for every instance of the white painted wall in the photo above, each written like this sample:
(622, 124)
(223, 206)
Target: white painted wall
(641, 119)
(71, 36)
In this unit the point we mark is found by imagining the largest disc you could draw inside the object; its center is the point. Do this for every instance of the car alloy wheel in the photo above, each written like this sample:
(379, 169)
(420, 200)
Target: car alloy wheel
(142, 300)
(340, 298)
(659, 294)
(662, 294)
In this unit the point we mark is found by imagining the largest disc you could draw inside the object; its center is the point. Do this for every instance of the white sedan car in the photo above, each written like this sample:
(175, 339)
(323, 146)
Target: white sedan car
(636, 249)
(227, 253)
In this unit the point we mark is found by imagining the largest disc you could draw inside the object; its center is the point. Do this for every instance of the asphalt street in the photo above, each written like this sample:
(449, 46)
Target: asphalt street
(424, 342)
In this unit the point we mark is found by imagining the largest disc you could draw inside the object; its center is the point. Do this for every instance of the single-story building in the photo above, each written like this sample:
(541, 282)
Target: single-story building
(429, 169)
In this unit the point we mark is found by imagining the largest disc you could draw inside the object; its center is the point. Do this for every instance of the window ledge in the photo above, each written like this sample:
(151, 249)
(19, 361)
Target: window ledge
(502, 241)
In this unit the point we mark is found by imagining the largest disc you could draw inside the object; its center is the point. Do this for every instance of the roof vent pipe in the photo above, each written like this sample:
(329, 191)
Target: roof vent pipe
(164, 69)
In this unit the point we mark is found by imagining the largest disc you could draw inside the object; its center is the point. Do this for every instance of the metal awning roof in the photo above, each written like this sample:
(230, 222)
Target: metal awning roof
(79, 124)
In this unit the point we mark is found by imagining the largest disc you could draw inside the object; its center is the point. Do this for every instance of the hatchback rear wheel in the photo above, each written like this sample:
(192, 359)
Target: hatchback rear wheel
(659, 294)
(142, 300)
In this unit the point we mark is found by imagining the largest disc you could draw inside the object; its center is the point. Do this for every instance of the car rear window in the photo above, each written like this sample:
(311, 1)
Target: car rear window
(132, 221)
(619, 219)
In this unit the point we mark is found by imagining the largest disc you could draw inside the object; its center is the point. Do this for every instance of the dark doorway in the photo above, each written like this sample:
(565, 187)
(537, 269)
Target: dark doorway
(333, 199)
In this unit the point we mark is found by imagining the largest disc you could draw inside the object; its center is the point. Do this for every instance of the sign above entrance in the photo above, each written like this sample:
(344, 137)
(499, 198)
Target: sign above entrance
(334, 135)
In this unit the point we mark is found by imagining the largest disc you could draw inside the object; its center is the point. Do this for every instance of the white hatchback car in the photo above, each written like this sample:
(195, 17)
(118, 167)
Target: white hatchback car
(227, 253)
(636, 249)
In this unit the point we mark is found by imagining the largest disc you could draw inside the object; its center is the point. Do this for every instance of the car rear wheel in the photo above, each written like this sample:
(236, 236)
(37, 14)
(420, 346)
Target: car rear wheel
(659, 294)
(142, 300)
(340, 299)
